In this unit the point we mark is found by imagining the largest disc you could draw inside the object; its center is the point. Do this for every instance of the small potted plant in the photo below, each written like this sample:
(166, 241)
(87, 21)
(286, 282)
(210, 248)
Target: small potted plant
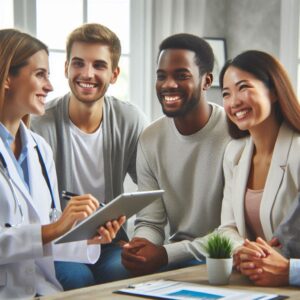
(219, 258)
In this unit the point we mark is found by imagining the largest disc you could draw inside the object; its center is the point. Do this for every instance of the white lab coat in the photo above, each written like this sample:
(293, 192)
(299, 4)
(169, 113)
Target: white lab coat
(26, 265)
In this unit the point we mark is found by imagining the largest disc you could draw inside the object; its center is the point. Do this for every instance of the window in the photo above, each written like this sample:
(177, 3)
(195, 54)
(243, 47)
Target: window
(116, 16)
(113, 14)
(7, 14)
(55, 36)
(298, 58)
(290, 40)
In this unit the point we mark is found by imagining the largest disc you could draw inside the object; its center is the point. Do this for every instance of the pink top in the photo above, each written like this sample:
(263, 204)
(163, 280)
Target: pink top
(252, 207)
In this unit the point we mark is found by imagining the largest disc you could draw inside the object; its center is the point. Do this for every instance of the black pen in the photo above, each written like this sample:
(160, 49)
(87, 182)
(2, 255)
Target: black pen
(68, 195)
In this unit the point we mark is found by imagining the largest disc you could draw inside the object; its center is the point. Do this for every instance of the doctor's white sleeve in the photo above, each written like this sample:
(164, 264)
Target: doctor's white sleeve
(79, 252)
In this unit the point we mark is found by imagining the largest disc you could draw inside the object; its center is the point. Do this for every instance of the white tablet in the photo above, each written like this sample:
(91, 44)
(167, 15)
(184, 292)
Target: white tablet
(126, 204)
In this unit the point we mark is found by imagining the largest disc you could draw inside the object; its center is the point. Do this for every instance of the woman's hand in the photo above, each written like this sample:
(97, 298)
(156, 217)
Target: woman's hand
(108, 232)
(77, 209)
(269, 270)
(246, 253)
(236, 259)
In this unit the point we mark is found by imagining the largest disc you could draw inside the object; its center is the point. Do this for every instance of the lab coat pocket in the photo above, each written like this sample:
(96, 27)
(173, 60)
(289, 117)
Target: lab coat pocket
(3, 277)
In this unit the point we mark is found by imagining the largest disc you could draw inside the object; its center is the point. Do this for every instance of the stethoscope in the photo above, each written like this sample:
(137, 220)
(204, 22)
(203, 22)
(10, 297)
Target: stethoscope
(54, 214)
(4, 171)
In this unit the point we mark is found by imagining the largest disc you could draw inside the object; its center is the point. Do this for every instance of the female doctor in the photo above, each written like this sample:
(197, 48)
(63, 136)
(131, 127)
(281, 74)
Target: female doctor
(262, 163)
(29, 215)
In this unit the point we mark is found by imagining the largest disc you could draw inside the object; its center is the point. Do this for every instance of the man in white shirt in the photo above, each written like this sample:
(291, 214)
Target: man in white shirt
(93, 138)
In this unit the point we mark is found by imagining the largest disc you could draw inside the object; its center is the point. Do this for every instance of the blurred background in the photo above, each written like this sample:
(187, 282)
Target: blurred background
(231, 25)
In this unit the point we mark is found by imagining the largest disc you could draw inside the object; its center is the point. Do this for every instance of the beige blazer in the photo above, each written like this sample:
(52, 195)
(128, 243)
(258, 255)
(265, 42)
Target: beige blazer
(281, 188)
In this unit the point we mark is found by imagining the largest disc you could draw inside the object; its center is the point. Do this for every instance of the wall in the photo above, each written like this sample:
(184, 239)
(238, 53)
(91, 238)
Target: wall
(246, 24)
(253, 24)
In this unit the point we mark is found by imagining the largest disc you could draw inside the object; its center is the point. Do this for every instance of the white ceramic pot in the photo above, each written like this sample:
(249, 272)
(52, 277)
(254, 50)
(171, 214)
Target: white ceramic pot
(219, 270)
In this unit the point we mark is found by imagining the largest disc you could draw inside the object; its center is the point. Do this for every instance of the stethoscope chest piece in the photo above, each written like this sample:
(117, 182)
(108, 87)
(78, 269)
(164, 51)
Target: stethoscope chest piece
(54, 215)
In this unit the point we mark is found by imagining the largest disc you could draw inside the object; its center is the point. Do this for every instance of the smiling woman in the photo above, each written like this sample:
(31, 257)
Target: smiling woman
(29, 65)
(262, 169)
(154, 20)
(28, 179)
(24, 84)
(247, 100)
(27, 87)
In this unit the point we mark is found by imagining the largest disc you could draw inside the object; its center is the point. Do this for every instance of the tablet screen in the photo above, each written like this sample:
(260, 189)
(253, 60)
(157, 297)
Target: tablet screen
(127, 204)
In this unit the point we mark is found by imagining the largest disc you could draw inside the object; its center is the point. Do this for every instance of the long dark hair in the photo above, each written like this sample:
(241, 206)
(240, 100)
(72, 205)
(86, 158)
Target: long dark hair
(269, 70)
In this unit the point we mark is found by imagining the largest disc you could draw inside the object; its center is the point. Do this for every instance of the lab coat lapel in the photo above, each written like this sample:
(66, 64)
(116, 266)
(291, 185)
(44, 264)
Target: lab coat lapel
(38, 186)
(13, 173)
(275, 176)
(241, 174)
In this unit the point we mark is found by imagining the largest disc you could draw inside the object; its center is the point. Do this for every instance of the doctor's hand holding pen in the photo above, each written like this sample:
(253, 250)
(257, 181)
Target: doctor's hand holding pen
(78, 208)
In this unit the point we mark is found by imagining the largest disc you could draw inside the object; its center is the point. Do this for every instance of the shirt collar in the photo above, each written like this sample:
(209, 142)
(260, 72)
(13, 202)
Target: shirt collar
(24, 141)
(5, 135)
(8, 138)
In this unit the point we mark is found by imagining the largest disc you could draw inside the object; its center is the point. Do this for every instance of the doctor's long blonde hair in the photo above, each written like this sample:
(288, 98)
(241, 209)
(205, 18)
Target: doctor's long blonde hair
(16, 48)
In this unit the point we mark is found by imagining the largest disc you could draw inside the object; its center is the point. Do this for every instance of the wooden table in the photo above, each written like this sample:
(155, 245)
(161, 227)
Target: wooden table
(195, 274)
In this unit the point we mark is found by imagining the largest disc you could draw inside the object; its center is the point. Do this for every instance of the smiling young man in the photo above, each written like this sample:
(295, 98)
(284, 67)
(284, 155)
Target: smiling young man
(182, 154)
(93, 137)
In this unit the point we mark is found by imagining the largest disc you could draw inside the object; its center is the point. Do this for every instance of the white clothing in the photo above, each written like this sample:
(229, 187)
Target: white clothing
(87, 152)
(26, 265)
(122, 124)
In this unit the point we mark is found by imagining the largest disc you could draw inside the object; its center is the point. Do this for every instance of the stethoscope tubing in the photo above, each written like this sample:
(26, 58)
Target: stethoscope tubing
(54, 214)
(5, 174)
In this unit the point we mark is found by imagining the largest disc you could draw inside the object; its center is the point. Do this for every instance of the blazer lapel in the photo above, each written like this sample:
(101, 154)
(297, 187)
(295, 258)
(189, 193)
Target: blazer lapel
(241, 173)
(274, 178)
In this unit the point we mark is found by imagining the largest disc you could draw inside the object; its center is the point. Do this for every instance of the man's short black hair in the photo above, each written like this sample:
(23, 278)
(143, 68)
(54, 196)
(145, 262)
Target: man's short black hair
(203, 52)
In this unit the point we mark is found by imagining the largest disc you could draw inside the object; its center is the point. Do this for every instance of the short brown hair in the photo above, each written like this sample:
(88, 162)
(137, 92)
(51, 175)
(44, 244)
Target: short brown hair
(96, 33)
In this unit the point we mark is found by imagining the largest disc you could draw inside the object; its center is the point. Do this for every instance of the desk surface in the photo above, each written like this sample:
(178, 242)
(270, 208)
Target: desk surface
(195, 274)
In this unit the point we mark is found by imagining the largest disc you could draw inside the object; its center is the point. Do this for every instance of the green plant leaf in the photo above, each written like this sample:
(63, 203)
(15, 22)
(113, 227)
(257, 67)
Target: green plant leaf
(219, 246)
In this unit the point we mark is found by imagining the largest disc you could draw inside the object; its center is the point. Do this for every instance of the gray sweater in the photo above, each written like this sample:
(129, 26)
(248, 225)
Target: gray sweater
(189, 169)
(122, 125)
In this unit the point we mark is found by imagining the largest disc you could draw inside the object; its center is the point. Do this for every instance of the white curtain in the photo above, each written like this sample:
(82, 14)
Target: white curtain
(152, 21)
(289, 33)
